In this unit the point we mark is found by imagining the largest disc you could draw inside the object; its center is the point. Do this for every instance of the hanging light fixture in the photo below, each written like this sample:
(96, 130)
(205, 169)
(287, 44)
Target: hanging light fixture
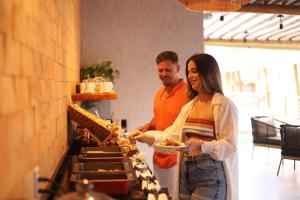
(280, 21)
(213, 5)
(222, 17)
(245, 36)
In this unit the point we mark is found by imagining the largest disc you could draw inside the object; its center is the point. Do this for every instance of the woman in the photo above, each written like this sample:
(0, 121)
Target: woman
(208, 125)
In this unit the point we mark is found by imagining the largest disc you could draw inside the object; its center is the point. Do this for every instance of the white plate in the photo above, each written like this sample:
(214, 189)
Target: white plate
(168, 149)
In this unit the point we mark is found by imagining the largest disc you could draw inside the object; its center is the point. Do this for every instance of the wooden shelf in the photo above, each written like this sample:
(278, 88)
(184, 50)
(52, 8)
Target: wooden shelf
(94, 96)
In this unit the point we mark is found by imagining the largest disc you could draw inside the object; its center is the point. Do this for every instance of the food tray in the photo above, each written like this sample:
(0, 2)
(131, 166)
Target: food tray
(101, 167)
(110, 183)
(105, 150)
(100, 158)
(100, 154)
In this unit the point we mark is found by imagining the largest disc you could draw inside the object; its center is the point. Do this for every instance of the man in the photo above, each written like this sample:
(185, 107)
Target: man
(167, 104)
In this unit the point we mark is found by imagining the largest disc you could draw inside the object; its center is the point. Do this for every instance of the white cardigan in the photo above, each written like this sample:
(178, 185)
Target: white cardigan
(223, 149)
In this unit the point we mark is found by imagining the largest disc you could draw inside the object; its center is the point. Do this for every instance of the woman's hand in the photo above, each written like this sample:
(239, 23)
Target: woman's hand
(133, 134)
(141, 137)
(194, 144)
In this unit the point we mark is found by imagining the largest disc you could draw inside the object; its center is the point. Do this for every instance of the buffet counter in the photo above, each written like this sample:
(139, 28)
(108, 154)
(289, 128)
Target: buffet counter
(128, 188)
(100, 154)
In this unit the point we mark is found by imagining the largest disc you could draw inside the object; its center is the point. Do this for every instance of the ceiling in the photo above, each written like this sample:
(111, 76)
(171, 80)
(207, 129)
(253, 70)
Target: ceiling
(256, 24)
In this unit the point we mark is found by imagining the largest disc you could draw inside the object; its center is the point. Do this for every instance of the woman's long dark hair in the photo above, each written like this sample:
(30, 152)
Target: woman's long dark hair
(209, 72)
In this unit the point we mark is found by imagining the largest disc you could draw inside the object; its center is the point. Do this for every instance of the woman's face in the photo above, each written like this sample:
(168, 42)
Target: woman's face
(193, 76)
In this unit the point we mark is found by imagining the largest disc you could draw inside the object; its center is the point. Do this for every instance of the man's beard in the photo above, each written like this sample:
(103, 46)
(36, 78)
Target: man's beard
(167, 83)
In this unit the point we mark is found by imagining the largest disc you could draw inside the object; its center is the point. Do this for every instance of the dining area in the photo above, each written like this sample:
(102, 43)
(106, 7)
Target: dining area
(258, 176)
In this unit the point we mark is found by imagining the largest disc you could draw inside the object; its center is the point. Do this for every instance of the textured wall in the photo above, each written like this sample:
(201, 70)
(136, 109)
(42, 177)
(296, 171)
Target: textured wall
(131, 33)
(39, 66)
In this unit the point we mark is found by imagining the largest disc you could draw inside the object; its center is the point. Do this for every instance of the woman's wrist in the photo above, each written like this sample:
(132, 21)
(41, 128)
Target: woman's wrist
(150, 140)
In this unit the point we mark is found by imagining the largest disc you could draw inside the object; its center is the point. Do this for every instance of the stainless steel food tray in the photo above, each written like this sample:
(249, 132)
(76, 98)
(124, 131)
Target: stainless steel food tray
(103, 167)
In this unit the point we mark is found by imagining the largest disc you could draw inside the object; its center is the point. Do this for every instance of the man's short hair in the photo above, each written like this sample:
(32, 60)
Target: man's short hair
(167, 55)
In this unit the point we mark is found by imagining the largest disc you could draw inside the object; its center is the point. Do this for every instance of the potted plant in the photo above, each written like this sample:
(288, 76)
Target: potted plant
(95, 70)
(103, 70)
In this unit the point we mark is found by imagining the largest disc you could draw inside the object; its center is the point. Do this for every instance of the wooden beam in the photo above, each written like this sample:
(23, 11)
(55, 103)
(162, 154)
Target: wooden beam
(294, 2)
(270, 9)
(290, 45)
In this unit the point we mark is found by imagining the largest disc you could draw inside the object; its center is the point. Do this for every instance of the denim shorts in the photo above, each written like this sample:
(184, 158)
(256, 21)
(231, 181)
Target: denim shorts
(202, 178)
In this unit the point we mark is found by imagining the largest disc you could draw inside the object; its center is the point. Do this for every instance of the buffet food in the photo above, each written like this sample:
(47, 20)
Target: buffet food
(127, 147)
(162, 196)
(102, 150)
(95, 152)
(169, 142)
(169, 146)
(106, 163)
(103, 131)
(108, 170)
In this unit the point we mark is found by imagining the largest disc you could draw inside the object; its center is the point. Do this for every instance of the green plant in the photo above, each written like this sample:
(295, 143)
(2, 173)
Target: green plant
(95, 70)
(104, 70)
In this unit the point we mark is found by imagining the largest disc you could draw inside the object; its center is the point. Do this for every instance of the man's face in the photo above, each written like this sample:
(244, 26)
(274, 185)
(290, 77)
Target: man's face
(168, 72)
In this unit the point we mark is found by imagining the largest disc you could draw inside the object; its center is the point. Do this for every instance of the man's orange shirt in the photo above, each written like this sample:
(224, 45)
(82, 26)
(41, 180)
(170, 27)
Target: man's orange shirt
(166, 110)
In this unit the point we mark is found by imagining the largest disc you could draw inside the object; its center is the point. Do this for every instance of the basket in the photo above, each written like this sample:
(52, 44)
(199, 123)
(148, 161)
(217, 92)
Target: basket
(101, 133)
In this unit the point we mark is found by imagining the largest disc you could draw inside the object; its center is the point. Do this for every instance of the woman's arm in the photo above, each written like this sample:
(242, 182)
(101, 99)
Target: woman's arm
(174, 131)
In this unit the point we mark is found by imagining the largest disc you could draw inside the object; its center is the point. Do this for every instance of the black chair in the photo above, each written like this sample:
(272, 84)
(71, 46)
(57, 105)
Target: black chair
(290, 143)
(266, 132)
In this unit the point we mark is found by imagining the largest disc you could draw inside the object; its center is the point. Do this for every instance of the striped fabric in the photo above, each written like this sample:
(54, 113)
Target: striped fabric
(202, 129)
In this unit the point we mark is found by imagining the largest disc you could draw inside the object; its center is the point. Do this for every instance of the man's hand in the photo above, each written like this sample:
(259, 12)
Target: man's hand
(141, 137)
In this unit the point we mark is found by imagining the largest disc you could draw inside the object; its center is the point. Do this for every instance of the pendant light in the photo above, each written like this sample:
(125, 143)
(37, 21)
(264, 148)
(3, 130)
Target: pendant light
(280, 21)
(213, 5)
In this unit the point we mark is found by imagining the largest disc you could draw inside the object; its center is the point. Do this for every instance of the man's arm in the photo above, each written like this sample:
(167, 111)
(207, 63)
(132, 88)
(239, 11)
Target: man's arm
(147, 127)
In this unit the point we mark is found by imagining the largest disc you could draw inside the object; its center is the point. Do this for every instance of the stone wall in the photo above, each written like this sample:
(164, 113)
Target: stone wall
(39, 66)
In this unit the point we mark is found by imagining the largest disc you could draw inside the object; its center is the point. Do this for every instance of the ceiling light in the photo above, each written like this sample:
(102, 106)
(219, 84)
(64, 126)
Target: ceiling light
(213, 5)
(222, 17)
(280, 20)
(245, 36)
